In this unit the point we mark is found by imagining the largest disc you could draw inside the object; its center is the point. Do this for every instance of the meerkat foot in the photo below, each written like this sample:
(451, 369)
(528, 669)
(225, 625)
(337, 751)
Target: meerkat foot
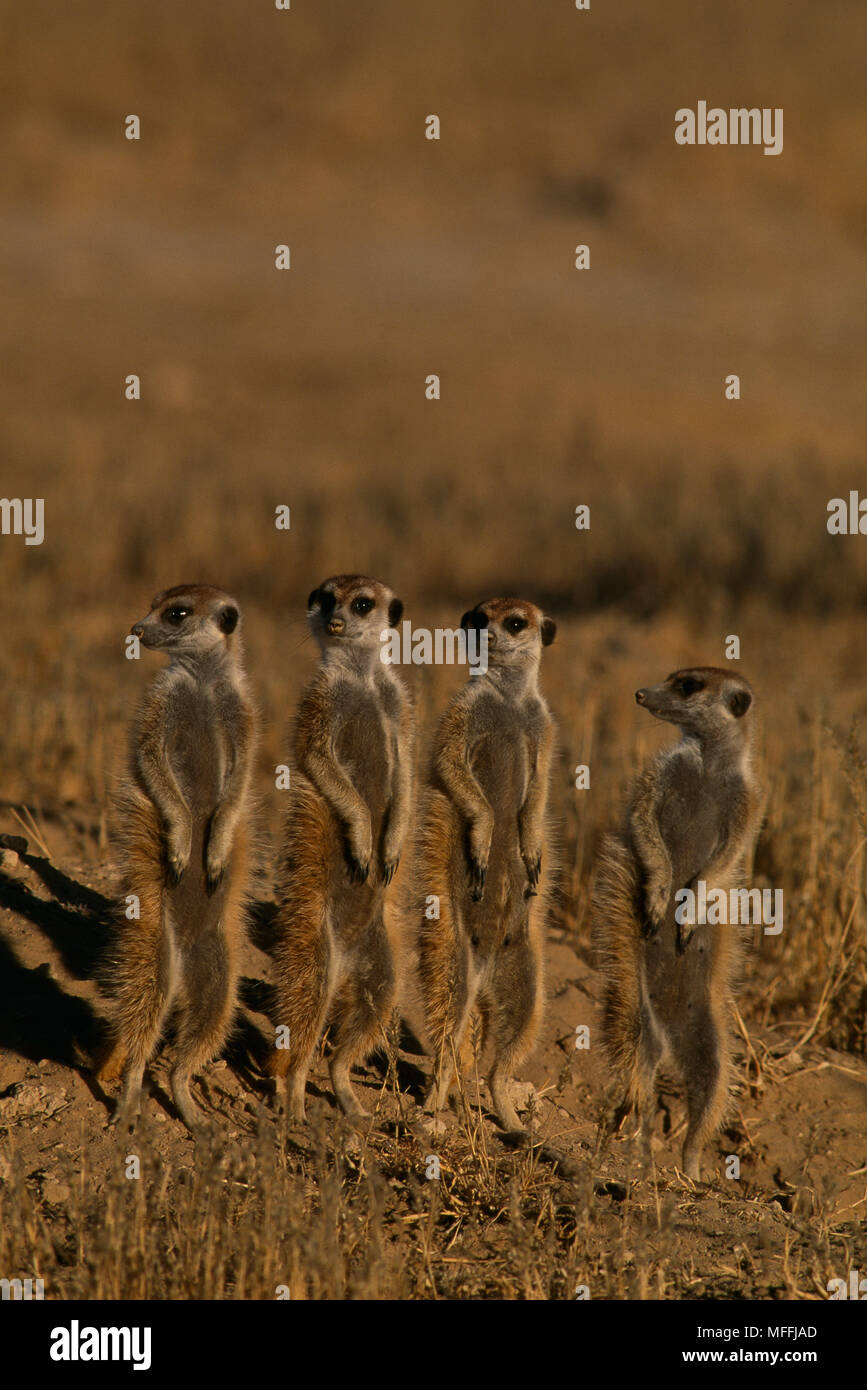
(436, 1109)
(644, 1150)
(286, 1090)
(192, 1114)
(617, 1116)
(277, 1093)
(288, 1098)
(692, 1164)
(345, 1095)
(507, 1115)
(124, 1118)
(128, 1107)
(294, 1101)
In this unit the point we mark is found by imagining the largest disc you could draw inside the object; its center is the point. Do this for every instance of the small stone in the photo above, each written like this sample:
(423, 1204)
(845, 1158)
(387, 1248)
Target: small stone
(523, 1093)
(55, 1192)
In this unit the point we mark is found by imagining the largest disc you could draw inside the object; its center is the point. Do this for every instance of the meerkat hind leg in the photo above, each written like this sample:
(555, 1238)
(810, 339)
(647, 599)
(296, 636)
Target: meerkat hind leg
(512, 1007)
(140, 1013)
(449, 987)
(363, 1010)
(451, 1064)
(639, 1092)
(127, 1110)
(304, 990)
(650, 1049)
(208, 1005)
(498, 1082)
(703, 1059)
(450, 1050)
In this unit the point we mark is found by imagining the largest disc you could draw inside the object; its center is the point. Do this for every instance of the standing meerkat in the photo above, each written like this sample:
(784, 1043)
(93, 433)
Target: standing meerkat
(483, 855)
(694, 815)
(181, 830)
(345, 829)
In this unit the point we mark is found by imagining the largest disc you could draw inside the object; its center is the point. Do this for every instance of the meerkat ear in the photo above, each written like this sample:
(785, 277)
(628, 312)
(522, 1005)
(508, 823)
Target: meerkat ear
(395, 612)
(549, 631)
(228, 619)
(474, 618)
(740, 702)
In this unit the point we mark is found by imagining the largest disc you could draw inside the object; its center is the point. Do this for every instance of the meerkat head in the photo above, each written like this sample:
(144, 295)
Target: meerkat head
(517, 630)
(702, 700)
(191, 619)
(352, 609)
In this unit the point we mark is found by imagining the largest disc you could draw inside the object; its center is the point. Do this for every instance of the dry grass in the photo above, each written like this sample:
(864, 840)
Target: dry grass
(328, 1216)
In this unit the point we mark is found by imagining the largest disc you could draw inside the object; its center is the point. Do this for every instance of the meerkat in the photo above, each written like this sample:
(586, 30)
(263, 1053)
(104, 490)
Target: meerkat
(347, 821)
(181, 828)
(482, 856)
(694, 814)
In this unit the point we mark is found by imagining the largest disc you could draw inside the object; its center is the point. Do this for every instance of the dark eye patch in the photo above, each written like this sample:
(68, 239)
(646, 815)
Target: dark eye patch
(362, 605)
(689, 686)
(474, 618)
(176, 614)
(515, 624)
(324, 600)
(228, 619)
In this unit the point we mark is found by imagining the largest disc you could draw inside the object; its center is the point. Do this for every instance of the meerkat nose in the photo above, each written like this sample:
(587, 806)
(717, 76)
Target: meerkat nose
(639, 696)
(336, 625)
(137, 629)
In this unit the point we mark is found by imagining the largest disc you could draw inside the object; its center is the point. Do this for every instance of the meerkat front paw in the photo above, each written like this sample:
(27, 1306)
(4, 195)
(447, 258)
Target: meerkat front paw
(530, 845)
(214, 871)
(392, 846)
(481, 835)
(359, 851)
(216, 854)
(532, 858)
(178, 846)
(478, 875)
(655, 904)
(358, 869)
(684, 936)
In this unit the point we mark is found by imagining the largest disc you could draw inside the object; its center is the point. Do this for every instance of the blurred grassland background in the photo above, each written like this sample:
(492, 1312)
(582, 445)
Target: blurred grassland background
(559, 387)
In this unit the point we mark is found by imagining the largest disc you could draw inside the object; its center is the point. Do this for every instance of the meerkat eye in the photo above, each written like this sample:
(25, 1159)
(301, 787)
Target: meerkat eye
(515, 624)
(362, 605)
(689, 686)
(176, 614)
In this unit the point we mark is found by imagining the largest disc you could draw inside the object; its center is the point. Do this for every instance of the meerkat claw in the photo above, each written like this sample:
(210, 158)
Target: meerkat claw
(478, 876)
